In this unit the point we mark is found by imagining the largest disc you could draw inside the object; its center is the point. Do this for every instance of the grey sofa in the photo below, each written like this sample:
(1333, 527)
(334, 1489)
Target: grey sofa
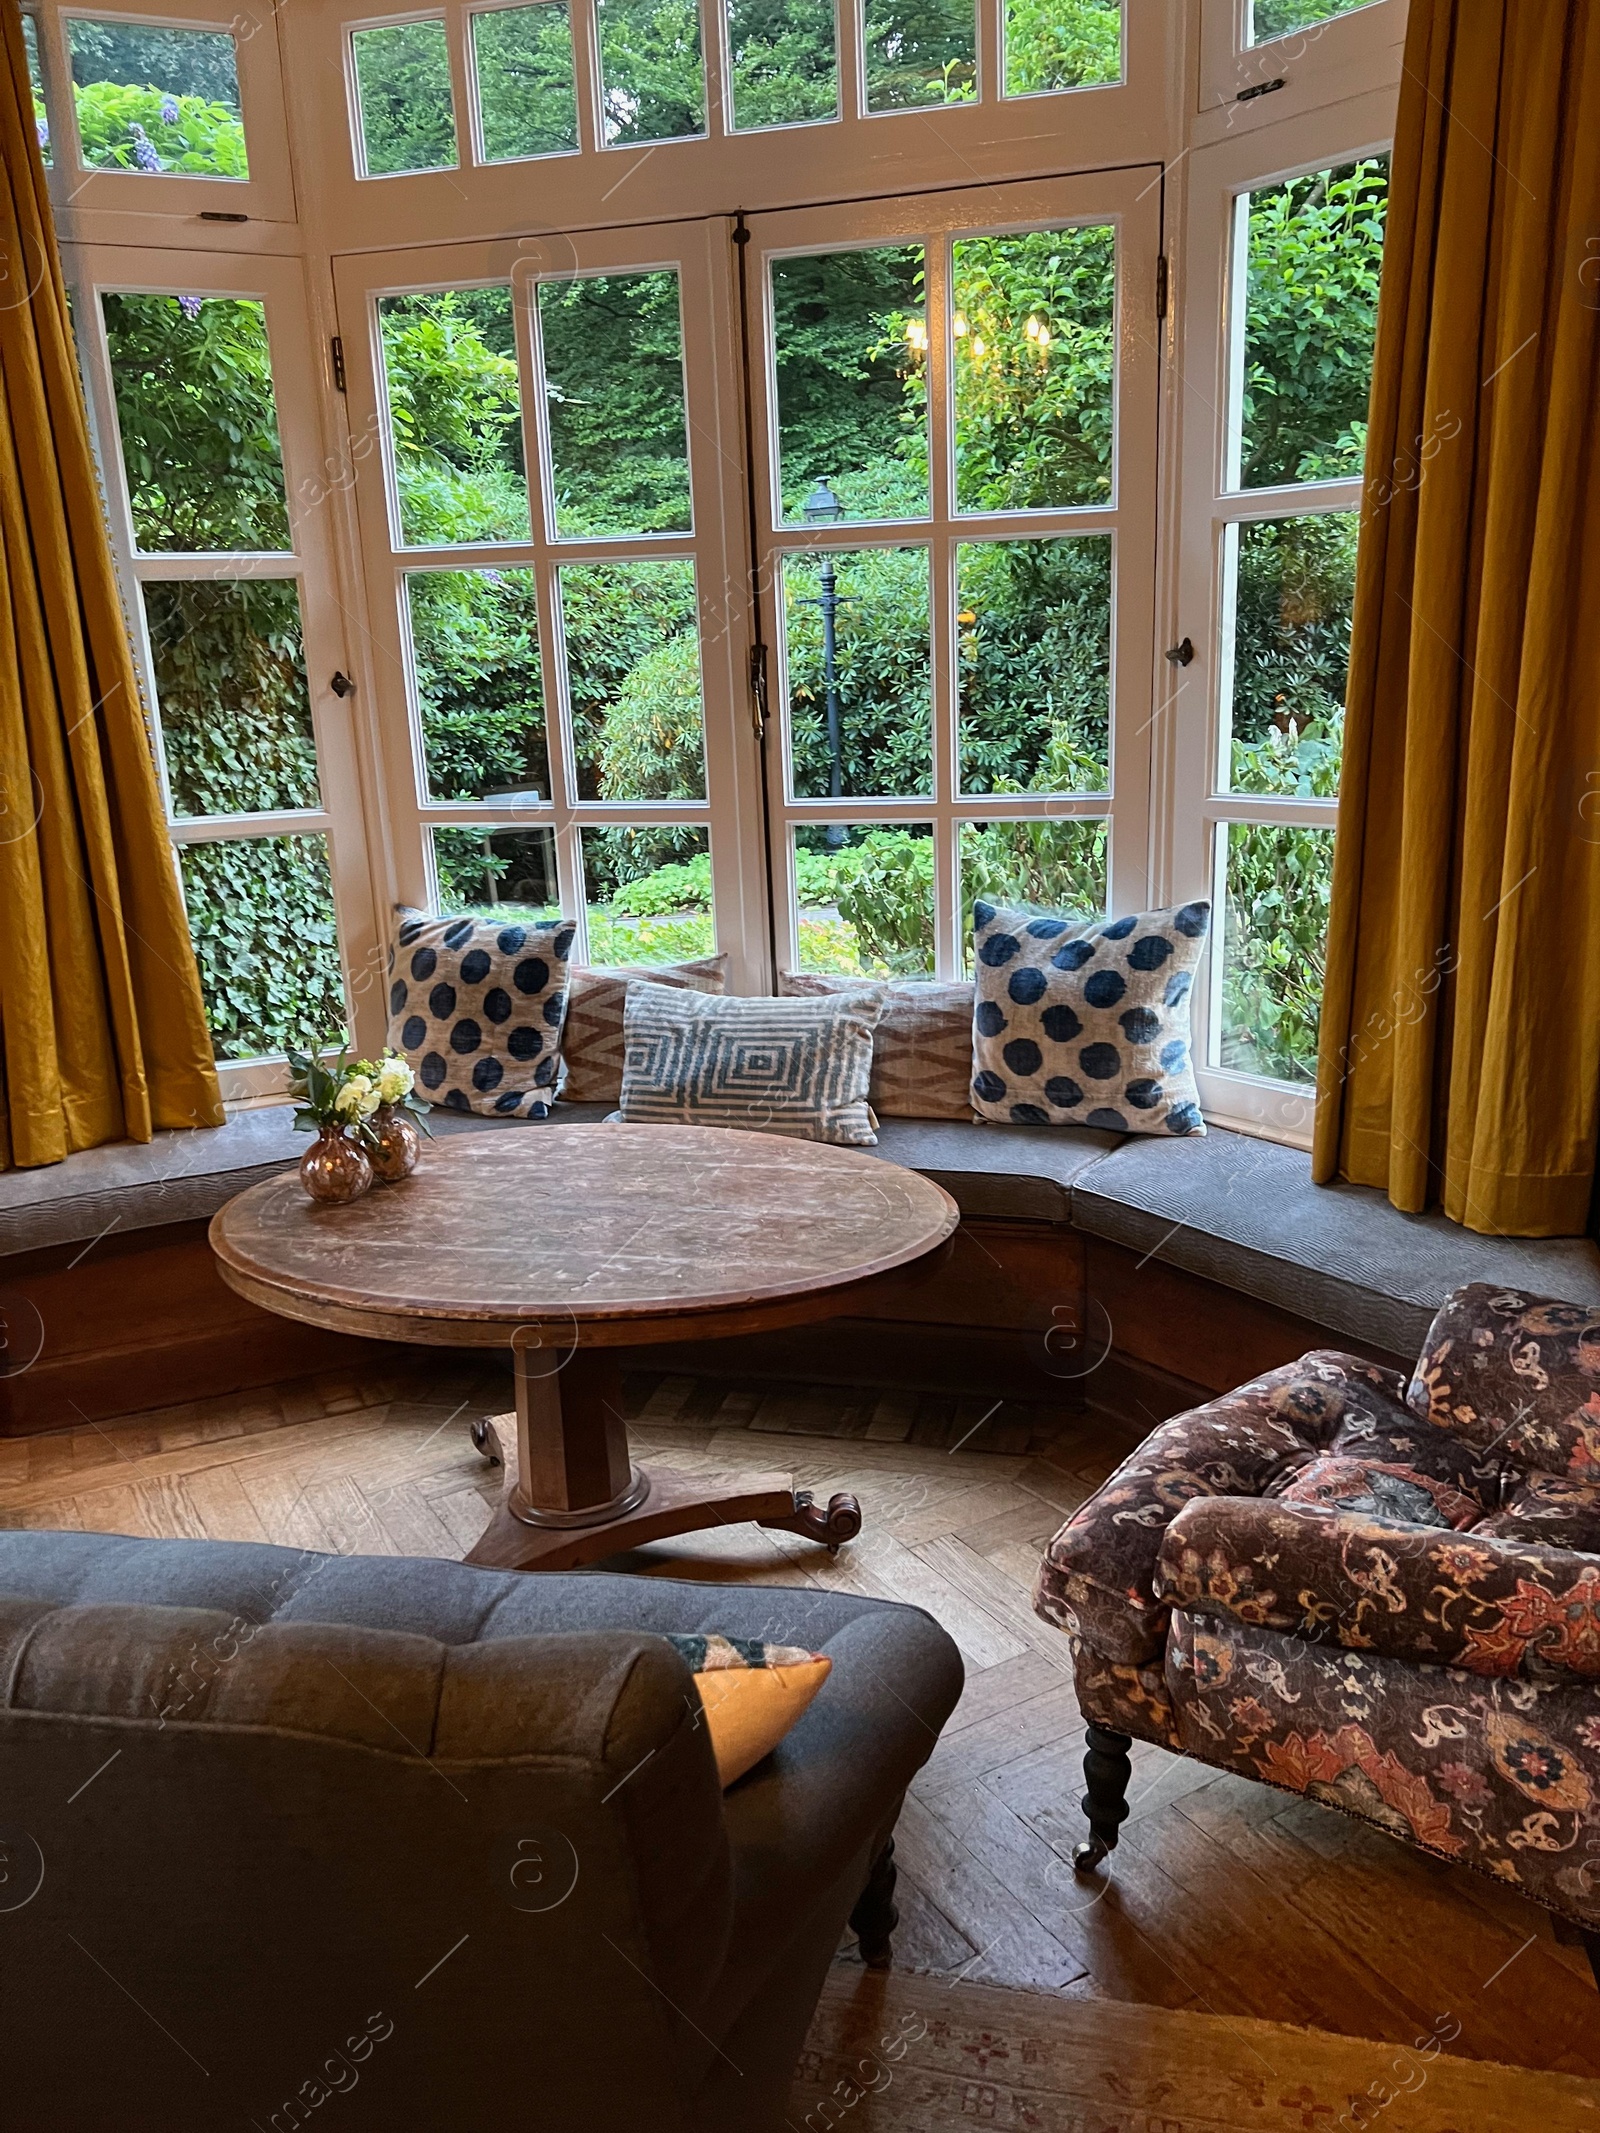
(423, 1846)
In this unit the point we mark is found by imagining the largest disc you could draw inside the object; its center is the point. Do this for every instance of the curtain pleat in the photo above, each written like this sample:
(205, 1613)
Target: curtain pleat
(1460, 1047)
(102, 1029)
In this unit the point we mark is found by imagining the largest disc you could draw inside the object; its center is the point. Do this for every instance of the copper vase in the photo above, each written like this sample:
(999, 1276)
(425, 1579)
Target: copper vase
(398, 1145)
(335, 1169)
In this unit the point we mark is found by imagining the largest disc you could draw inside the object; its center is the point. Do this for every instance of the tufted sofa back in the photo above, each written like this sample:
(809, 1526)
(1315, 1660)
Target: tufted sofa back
(1519, 1374)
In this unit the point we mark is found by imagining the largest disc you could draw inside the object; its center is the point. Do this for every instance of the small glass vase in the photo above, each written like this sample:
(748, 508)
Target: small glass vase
(398, 1145)
(335, 1169)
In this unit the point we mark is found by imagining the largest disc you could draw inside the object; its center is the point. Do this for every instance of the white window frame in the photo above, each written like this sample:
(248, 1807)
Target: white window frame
(696, 252)
(1181, 110)
(279, 285)
(1129, 202)
(1193, 733)
(858, 155)
(267, 195)
(1302, 72)
(476, 155)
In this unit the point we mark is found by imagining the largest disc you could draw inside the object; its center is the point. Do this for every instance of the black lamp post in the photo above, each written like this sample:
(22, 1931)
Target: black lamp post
(823, 508)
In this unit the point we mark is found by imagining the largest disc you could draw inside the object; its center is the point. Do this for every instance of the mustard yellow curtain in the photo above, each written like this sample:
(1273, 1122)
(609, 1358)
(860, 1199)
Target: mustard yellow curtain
(1460, 1051)
(102, 1031)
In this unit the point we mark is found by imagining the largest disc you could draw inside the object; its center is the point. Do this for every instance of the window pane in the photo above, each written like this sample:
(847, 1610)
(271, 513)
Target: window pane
(859, 671)
(527, 85)
(496, 873)
(450, 359)
(230, 675)
(157, 100)
(613, 382)
(919, 52)
(480, 689)
(408, 114)
(1291, 584)
(785, 66)
(1274, 946)
(1056, 866)
(261, 916)
(192, 378)
(41, 118)
(866, 899)
(850, 344)
(1062, 44)
(1313, 251)
(648, 892)
(1035, 329)
(1277, 18)
(633, 679)
(653, 85)
(1033, 664)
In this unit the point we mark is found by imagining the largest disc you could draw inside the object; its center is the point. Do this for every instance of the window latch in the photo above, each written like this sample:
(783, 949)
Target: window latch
(758, 689)
(1181, 654)
(342, 685)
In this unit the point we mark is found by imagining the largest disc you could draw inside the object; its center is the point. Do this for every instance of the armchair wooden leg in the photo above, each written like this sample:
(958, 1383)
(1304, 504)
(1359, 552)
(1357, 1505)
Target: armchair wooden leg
(1107, 1769)
(874, 1918)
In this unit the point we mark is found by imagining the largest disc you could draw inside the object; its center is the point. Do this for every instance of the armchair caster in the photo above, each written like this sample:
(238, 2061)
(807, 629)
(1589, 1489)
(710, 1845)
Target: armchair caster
(874, 1918)
(1106, 1769)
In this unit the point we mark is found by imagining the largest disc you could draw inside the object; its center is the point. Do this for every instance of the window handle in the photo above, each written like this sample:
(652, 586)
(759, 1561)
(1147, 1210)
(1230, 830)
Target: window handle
(342, 685)
(1181, 654)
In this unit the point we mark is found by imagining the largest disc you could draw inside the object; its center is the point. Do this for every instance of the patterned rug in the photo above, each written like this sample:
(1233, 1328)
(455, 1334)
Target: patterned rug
(891, 2054)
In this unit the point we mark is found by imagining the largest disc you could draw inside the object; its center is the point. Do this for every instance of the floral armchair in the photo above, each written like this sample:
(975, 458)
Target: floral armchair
(1383, 1595)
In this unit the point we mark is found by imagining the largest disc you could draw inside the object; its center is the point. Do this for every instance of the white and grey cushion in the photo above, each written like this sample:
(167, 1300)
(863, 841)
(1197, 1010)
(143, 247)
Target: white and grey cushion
(476, 1007)
(1086, 1022)
(771, 1066)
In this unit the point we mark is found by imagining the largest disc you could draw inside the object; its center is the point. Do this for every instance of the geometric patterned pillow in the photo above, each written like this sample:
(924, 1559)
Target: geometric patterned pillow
(476, 1007)
(769, 1066)
(596, 1002)
(922, 1046)
(1086, 1022)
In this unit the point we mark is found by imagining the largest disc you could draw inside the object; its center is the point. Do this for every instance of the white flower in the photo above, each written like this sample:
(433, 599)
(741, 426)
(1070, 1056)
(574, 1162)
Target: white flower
(395, 1079)
(358, 1098)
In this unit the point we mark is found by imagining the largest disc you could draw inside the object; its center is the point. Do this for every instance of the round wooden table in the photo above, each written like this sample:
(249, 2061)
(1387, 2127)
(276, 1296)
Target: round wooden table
(569, 1244)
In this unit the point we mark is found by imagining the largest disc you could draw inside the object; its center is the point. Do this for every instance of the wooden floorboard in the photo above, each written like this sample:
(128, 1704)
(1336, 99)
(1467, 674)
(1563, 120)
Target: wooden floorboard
(1225, 1897)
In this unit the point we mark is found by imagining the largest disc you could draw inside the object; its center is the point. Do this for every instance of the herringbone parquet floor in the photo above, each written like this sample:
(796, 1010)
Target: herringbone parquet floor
(1226, 1897)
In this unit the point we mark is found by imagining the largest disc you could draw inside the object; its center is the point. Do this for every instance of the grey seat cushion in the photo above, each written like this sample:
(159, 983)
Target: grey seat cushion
(176, 1177)
(996, 1173)
(1244, 1212)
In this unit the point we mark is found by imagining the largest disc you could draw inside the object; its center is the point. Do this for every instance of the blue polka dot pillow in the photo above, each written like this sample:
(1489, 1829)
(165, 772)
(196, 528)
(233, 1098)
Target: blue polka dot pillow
(476, 1007)
(1086, 1022)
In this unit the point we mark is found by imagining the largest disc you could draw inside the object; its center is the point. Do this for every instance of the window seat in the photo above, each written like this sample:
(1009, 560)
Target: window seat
(1239, 1212)
(1245, 1214)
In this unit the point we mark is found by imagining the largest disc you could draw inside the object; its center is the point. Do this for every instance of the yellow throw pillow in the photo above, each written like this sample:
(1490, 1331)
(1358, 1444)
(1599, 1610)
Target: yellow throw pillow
(751, 1694)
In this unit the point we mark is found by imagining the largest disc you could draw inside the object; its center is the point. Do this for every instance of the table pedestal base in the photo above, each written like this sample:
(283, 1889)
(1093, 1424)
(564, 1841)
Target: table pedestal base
(573, 1496)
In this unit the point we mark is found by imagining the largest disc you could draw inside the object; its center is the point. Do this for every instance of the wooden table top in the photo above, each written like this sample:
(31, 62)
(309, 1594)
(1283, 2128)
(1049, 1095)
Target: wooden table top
(607, 1230)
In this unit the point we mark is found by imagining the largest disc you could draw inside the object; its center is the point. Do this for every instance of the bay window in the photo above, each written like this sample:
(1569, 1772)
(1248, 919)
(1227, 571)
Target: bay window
(748, 476)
